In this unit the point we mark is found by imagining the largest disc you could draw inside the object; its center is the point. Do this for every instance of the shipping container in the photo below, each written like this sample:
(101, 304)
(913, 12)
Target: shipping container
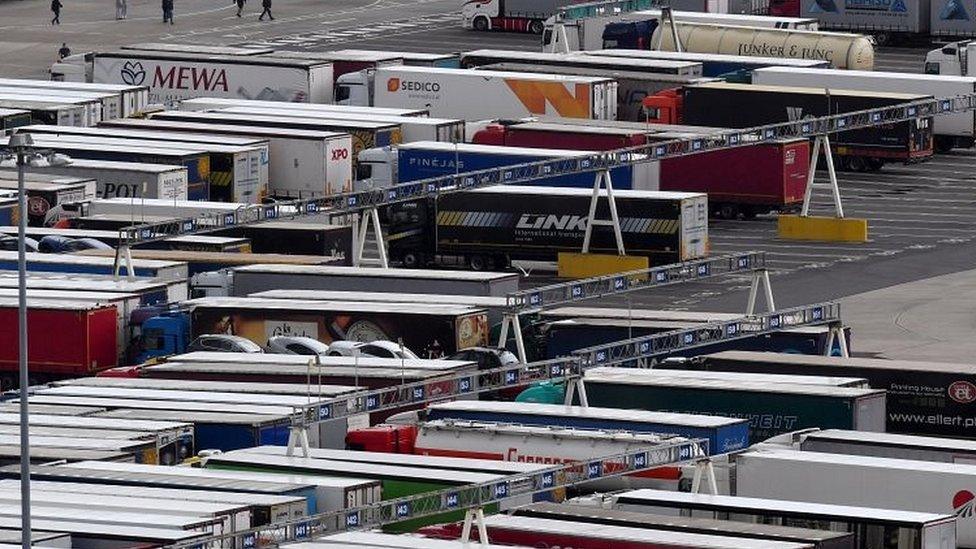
(543, 60)
(412, 128)
(13, 118)
(951, 130)
(819, 539)
(194, 159)
(862, 443)
(939, 407)
(870, 148)
(46, 112)
(397, 481)
(264, 508)
(217, 103)
(723, 434)
(364, 133)
(126, 179)
(770, 408)
(132, 99)
(61, 263)
(87, 336)
(173, 76)
(872, 527)
(257, 278)
(238, 166)
(298, 237)
(715, 64)
(459, 93)
(921, 486)
(48, 196)
(301, 163)
(430, 331)
(495, 225)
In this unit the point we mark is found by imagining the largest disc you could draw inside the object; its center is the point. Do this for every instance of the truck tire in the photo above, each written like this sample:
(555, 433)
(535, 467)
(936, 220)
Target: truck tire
(857, 164)
(944, 144)
(728, 211)
(481, 24)
(412, 260)
(477, 262)
(501, 262)
(536, 26)
(875, 164)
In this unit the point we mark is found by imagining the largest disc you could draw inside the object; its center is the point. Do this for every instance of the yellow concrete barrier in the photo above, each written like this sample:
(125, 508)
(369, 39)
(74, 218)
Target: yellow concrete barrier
(576, 265)
(827, 229)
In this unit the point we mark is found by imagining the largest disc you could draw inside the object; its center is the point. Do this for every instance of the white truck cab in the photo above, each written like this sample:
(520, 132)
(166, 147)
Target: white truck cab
(355, 88)
(477, 14)
(74, 68)
(956, 59)
(377, 168)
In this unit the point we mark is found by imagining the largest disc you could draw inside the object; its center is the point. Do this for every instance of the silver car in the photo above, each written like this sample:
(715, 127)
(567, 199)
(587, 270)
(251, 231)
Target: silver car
(297, 345)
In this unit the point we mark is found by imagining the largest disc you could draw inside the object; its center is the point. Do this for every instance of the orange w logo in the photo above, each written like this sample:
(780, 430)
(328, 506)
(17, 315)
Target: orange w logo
(535, 94)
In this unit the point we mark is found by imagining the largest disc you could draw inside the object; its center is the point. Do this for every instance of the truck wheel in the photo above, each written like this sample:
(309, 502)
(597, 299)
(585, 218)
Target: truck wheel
(857, 164)
(728, 211)
(944, 144)
(536, 26)
(412, 260)
(481, 24)
(875, 164)
(882, 39)
(501, 262)
(477, 262)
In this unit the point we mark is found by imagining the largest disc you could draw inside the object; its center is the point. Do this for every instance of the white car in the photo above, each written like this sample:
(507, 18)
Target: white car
(297, 345)
(380, 348)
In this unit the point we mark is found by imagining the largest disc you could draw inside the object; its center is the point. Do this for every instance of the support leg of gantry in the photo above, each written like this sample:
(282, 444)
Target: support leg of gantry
(600, 181)
(822, 142)
(367, 218)
(297, 436)
(836, 333)
(472, 517)
(123, 258)
(512, 321)
(573, 387)
(704, 470)
(760, 277)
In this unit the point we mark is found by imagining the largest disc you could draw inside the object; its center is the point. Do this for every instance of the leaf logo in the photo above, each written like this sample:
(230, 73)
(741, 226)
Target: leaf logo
(392, 84)
(133, 74)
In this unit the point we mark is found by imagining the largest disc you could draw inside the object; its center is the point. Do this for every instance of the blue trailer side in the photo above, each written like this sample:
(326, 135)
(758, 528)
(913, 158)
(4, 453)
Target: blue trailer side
(723, 434)
(424, 159)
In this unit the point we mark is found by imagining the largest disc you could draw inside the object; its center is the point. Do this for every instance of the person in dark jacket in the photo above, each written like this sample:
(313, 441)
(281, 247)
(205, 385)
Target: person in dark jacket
(168, 11)
(65, 51)
(56, 8)
(240, 6)
(266, 4)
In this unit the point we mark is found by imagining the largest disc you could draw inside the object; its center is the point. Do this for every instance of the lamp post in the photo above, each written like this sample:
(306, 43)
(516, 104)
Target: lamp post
(21, 147)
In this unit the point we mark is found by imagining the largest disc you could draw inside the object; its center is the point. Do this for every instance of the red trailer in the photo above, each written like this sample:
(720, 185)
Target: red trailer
(64, 340)
(546, 135)
(744, 181)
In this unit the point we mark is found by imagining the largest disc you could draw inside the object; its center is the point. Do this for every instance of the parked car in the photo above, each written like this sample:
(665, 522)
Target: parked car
(297, 345)
(9, 244)
(489, 358)
(224, 343)
(62, 244)
(379, 348)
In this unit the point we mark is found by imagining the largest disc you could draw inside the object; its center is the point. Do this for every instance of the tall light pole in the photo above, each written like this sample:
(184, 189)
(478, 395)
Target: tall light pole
(21, 147)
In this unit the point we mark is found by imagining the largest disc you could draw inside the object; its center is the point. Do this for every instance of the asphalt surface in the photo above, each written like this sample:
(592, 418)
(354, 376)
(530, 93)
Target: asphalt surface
(921, 217)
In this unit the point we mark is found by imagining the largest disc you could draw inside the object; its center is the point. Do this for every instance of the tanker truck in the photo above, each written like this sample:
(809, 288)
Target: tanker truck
(842, 50)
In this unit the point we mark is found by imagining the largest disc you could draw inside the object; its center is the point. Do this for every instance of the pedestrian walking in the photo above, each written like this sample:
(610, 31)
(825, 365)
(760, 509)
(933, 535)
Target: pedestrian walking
(56, 8)
(121, 7)
(168, 11)
(65, 51)
(240, 6)
(266, 4)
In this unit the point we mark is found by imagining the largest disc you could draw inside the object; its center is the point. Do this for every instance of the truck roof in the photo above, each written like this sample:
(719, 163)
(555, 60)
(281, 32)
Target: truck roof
(161, 125)
(111, 531)
(325, 361)
(126, 393)
(633, 376)
(54, 304)
(569, 191)
(93, 422)
(544, 58)
(35, 104)
(407, 372)
(441, 146)
(817, 91)
(108, 165)
(58, 281)
(55, 184)
(71, 295)
(892, 440)
(83, 260)
(55, 84)
(213, 115)
(788, 454)
(495, 74)
(222, 258)
(327, 306)
(483, 302)
(785, 507)
(70, 138)
(381, 273)
(557, 127)
(148, 134)
(828, 74)
(545, 431)
(12, 112)
(190, 416)
(232, 101)
(292, 111)
(128, 145)
(607, 72)
(590, 412)
(114, 235)
(159, 493)
(213, 58)
(641, 314)
(745, 376)
(868, 363)
(223, 386)
(282, 412)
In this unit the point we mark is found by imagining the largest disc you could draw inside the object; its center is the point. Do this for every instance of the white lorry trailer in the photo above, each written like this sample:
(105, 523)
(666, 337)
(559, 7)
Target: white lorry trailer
(957, 59)
(902, 484)
(460, 93)
(173, 76)
(952, 130)
(131, 99)
(126, 179)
